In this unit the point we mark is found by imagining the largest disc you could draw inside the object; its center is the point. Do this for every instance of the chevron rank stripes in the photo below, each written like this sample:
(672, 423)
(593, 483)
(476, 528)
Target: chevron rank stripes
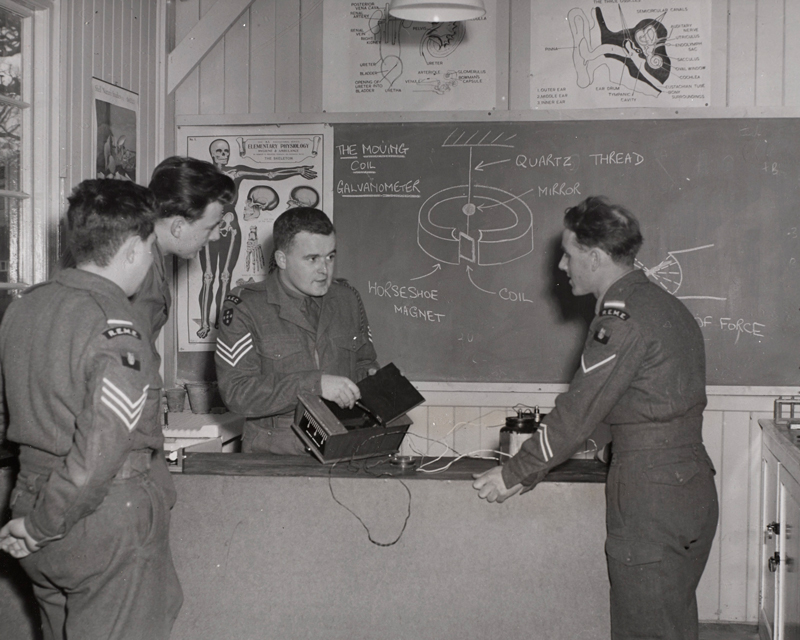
(232, 354)
(127, 410)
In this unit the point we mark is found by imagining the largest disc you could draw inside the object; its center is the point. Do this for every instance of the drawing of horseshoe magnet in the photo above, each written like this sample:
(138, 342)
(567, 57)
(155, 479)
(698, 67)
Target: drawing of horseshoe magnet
(475, 224)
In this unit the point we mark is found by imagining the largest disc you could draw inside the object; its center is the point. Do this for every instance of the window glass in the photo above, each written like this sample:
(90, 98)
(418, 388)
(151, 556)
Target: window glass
(10, 54)
(11, 129)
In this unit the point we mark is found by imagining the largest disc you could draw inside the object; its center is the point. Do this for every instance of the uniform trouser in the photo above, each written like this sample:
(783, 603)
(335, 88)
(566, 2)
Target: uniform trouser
(111, 577)
(661, 516)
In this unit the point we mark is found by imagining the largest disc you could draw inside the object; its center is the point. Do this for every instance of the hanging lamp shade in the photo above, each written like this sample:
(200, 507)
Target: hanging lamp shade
(436, 11)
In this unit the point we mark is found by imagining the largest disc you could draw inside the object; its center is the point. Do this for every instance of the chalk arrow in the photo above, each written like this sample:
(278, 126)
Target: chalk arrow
(496, 204)
(482, 164)
(469, 275)
(436, 267)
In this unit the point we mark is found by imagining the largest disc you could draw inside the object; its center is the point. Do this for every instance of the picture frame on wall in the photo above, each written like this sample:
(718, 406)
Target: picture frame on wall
(115, 129)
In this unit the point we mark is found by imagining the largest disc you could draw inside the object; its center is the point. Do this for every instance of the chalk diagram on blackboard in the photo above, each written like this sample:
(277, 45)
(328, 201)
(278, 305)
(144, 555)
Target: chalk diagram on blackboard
(669, 273)
(635, 58)
(437, 43)
(474, 224)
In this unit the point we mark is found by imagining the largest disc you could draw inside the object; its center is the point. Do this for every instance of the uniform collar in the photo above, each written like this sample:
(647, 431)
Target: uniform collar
(80, 279)
(617, 289)
(159, 261)
(291, 306)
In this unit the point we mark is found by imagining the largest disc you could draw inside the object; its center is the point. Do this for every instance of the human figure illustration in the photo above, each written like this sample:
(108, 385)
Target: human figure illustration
(635, 58)
(218, 259)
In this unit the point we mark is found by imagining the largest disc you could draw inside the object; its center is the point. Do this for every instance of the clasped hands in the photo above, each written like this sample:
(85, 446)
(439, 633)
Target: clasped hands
(15, 540)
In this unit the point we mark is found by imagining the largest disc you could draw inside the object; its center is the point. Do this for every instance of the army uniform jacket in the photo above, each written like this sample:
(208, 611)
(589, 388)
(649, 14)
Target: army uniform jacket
(643, 362)
(268, 352)
(75, 375)
(153, 299)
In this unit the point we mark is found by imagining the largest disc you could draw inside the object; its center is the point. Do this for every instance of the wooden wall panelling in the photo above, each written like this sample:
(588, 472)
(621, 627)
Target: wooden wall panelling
(741, 59)
(519, 55)
(136, 59)
(770, 36)
(708, 594)
(416, 432)
(187, 94)
(237, 84)
(467, 434)
(84, 165)
(148, 76)
(791, 56)
(502, 54)
(719, 53)
(263, 43)
(310, 77)
(441, 421)
(734, 484)
(212, 70)
(117, 39)
(289, 78)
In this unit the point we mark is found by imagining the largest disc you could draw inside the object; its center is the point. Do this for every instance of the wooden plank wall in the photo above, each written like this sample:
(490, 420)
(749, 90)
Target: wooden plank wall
(115, 41)
(268, 68)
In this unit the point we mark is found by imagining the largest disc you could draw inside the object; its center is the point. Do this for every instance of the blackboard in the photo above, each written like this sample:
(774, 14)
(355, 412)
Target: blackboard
(451, 232)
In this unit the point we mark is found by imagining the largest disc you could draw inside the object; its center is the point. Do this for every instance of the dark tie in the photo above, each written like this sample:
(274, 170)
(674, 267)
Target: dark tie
(311, 311)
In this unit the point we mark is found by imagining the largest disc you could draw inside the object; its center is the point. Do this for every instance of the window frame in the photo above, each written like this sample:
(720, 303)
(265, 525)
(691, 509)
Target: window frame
(34, 231)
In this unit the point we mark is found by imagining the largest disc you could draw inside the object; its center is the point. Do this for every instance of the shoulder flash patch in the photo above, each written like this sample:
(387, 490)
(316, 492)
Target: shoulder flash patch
(129, 360)
(227, 317)
(116, 332)
(617, 313)
(614, 304)
(232, 298)
(602, 336)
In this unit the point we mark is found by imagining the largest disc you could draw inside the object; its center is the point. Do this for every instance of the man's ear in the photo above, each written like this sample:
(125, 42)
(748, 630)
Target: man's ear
(130, 248)
(596, 258)
(280, 259)
(599, 258)
(176, 226)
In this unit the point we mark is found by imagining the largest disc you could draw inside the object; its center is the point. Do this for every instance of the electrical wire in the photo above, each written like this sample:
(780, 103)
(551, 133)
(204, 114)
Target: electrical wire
(367, 468)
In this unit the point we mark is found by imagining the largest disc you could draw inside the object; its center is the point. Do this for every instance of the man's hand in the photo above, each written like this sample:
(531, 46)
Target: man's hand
(343, 391)
(15, 541)
(491, 487)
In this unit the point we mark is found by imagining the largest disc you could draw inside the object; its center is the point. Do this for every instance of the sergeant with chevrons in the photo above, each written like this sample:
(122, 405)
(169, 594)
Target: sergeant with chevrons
(642, 373)
(297, 331)
(90, 524)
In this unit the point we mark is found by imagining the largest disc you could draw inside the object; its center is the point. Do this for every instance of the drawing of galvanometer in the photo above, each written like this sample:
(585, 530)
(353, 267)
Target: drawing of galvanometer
(669, 274)
(475, 224)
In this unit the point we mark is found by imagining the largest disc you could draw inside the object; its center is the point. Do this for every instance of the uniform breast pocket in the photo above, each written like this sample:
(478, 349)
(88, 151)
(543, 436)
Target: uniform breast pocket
(347, 347)
(283, 355)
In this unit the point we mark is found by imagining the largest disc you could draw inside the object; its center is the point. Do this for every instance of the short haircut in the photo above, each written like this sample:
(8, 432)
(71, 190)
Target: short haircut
(186, 186)
(103, 214)
(610, 227)
(293, 221)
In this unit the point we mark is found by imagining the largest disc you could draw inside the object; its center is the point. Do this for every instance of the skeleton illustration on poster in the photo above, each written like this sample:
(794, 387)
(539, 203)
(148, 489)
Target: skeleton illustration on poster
(274, 169)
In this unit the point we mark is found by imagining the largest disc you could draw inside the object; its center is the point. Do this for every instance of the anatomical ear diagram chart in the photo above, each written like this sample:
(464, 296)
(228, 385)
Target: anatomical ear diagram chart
(613, 54)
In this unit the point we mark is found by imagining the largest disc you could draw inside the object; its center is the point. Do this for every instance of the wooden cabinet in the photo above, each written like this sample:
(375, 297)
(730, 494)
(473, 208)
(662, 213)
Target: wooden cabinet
(779, 601)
